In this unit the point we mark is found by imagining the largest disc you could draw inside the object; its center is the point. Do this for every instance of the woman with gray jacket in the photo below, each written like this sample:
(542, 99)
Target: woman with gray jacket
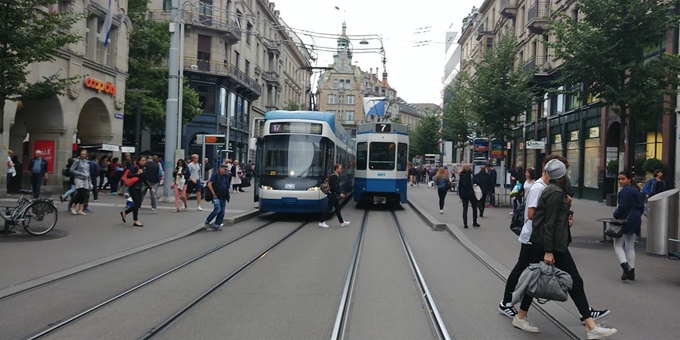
(550, 240)
(80, 170)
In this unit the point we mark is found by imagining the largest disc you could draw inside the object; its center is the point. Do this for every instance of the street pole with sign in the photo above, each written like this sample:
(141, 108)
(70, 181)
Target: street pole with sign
(208, 140)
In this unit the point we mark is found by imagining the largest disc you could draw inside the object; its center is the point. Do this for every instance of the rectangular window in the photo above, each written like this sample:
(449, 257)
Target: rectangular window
(362, 155)
(247, 69)
(237, 57)
(205, 10)
(239, 15)
(351, 100)
(88, 37)
(336, 83)
(167, 5)
(249, 33)
(349, 115)
(206, 95)
(381, 156)
(331, 99)
(98, 45)
(573, 154)
(591, 167)
(203, 54)
(402, 156)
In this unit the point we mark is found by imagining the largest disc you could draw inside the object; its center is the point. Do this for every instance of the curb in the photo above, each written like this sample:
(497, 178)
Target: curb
(43, 280)
(563, 319)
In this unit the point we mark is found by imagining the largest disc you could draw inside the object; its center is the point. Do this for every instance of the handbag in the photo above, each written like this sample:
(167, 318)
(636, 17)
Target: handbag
(245, 182)
(517, 220)
(615, 228)
(548, 285)
(478, 191)
(129, 181)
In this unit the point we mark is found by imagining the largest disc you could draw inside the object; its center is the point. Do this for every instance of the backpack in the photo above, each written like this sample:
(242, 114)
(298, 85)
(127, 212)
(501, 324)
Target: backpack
(648, 189)
(517, 220)
(325, 186)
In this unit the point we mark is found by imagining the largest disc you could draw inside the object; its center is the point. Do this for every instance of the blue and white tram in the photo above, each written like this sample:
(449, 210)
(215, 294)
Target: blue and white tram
(381, 170)
(296, 153)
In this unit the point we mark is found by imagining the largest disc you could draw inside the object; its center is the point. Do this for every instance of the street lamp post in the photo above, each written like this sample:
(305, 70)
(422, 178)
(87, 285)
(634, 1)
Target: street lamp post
(138, 119)
(172, 106)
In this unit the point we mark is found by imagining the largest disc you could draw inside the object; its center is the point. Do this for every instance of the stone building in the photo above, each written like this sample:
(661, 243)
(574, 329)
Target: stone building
(242, 60)
(91, 111)
(408, 114)
(588, 136)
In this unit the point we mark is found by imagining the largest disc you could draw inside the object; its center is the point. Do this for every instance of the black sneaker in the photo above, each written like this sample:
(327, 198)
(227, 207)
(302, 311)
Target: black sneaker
(507, 310)
(596, 314)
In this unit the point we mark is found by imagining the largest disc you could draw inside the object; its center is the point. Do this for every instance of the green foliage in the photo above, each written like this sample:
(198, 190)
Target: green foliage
(500, 88)
(425, 137)
(396, 121)
(30, 35)
(607, 50)
(293, 106)
(149, 48)
(652, 164)
(613, 166)
(458, 116)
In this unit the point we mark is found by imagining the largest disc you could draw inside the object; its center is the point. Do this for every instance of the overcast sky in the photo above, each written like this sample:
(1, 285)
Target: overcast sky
(415, 72)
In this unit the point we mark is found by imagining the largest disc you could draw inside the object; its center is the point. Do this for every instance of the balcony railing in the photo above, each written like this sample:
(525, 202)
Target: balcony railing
(222, 69)
(538, 66)
(482, 30)
(537, 16)
(509, 8)
(217, 21)
(273, 47)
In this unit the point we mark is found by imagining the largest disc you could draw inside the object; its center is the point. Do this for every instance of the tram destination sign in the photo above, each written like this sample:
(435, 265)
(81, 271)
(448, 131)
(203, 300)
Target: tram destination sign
(295, 127)
(383, 128)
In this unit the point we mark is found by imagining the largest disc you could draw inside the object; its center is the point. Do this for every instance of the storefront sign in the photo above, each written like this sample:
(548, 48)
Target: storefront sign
(100, 86)
(594, 132)
(535, 144)
(47, 147)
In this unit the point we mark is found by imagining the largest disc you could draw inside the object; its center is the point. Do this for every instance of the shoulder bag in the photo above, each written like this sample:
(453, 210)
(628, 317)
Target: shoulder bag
(476, 189)
(615, 229)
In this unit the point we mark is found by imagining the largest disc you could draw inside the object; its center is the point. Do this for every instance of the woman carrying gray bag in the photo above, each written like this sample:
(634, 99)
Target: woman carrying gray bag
(550, 240)
(631, 207)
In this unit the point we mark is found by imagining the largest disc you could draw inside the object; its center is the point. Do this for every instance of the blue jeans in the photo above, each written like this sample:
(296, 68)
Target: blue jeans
(70, 191)
(219, 208)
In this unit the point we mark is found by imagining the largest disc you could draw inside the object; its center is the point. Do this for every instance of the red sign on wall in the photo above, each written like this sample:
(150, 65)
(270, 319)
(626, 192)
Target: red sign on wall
(48, 150)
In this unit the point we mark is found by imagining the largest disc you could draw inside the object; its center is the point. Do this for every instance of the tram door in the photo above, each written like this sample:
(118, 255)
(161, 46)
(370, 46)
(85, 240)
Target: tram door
(256, 143)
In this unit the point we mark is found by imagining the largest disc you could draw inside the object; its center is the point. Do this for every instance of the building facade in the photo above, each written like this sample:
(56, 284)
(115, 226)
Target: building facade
(91, 111)
(587, 135)
(238, 56)
(342, 89)
(409, 115)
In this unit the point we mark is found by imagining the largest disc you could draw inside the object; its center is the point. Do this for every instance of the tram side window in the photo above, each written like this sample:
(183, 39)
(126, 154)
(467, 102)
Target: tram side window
(330, 157)
(362, 155)
(402, 156)
(381, 156)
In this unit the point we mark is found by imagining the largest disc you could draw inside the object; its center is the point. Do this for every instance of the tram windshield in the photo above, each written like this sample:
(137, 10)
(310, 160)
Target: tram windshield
(381, 156)
(295, 155)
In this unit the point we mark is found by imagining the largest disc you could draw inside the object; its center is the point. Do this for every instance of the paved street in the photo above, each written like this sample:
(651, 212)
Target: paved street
(277, 281)
(649, 300)
(98, 236)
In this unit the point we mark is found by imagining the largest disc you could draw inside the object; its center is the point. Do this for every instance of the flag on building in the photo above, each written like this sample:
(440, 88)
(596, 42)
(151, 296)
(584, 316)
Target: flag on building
(374, 106)
(106, 27)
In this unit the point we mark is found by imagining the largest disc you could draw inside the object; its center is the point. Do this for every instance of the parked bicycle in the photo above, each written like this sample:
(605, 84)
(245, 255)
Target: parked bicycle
(37, 216)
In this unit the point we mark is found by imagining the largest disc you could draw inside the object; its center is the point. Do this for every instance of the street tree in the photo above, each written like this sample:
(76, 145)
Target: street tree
(149, 51)
(31, 34)
(607, 55)
(425, 137)
(500, 88)
(293, 106)
(459, 119)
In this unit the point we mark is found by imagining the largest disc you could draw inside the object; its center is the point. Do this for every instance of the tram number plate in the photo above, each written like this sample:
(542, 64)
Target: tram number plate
(290, 186)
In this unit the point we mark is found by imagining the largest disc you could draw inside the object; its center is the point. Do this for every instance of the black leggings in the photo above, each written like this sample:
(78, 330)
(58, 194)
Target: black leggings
(523, 261)
(466, 203)
(136, 195)
(482, 205)
(565, 262)
(442, 196)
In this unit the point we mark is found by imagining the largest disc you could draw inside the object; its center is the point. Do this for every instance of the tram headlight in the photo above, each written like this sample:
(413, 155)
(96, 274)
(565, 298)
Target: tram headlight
(313, 189)
(265, 187)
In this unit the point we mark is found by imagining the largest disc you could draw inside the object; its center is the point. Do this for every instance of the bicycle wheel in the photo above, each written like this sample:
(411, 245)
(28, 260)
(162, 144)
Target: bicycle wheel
(39, 218)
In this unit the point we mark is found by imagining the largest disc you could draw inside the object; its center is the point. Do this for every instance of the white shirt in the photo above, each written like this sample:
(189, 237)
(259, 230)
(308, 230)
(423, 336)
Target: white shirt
(531, 201)
(194, 170)
(11, 169)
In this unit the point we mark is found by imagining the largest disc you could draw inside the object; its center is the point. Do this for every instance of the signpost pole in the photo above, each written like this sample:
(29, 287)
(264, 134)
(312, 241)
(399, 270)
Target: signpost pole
(202, 137)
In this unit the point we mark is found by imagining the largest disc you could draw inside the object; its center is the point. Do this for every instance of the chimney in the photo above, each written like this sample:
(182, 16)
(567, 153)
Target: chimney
(371, 71)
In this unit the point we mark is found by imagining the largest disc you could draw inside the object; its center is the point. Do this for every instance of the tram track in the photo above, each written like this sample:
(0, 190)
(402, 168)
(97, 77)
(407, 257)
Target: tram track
(341, 326)
(55, 327)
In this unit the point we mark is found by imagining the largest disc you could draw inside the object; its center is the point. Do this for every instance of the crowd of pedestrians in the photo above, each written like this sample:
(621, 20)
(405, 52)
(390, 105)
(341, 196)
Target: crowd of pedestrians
(544, 200)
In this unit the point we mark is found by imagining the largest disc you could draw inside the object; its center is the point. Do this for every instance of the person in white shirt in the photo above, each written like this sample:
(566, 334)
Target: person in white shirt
(11, 171)
(194, 185)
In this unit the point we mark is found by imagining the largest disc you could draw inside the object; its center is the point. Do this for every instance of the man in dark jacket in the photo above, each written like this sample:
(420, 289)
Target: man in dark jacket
(333, 202)
(494, 179)
(153, 174)
(38, 169)
(94, 175)
(484, 181)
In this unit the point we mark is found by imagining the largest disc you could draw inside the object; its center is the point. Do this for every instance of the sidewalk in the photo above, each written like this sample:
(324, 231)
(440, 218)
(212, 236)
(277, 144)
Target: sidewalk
(648, 301)
(77, 240)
